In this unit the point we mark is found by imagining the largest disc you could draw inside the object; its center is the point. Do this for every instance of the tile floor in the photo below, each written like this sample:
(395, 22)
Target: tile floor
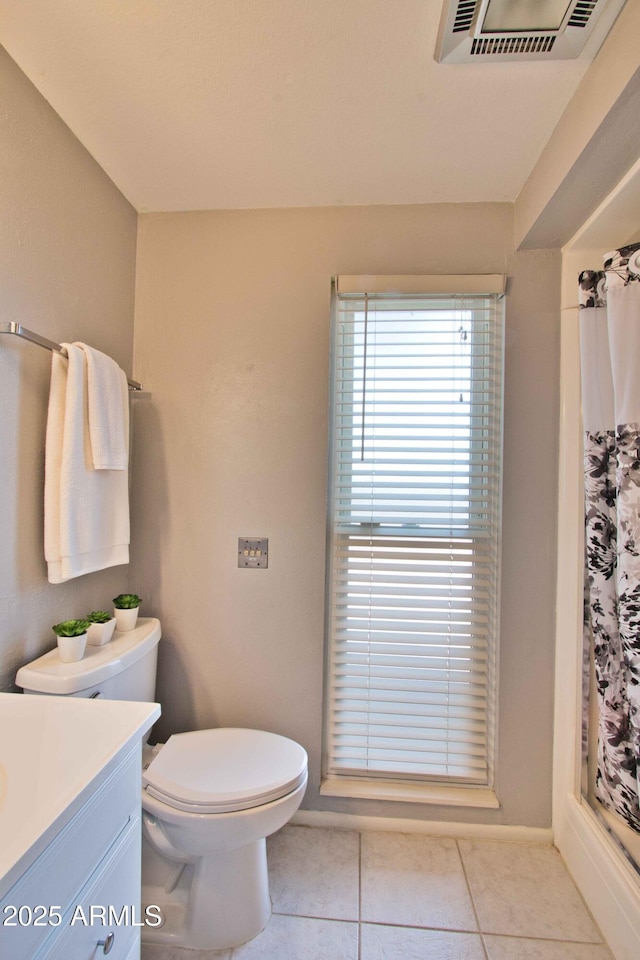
(343, 895)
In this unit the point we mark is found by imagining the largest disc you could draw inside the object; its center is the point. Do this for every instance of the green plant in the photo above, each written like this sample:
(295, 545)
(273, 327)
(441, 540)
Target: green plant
(99, 616)
(127, 601)
(71, 628)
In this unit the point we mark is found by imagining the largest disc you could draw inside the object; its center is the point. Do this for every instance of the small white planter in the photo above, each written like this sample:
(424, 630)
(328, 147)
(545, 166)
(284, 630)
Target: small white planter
(71, 649)
(125, 619)
(99, 633)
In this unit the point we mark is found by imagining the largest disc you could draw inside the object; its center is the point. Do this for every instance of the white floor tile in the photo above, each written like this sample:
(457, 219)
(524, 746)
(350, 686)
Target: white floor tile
(162, 951)
(508, 948)
(413, 880)
(408, 943)
(414, 900)
(524, 890)
(302, 938)
(314, 872)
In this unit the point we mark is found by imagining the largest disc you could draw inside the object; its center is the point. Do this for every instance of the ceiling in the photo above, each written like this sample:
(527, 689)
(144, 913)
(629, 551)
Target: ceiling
(209, 104)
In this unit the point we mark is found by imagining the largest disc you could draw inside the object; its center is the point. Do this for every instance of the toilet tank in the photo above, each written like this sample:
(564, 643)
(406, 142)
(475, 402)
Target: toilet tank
(122, 669)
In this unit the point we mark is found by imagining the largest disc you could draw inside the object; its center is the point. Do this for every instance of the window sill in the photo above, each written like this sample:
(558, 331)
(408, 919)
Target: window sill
(442, 795)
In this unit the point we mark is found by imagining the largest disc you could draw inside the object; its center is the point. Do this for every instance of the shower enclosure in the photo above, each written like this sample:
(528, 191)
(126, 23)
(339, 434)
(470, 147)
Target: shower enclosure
(599, 846)
(609, 302)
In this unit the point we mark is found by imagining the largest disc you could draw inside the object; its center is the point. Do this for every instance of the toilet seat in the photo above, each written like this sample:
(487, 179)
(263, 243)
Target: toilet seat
(225, 769)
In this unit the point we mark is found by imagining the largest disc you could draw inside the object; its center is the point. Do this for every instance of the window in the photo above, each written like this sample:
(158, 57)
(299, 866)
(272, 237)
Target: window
(413, 574)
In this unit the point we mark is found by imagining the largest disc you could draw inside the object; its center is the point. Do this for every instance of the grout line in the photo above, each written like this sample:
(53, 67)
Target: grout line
(359, 896)
(484, 946)
(313, 916)
(539, 939)
(414, 926)
(400, 925)
(458, 930)
(472, 899)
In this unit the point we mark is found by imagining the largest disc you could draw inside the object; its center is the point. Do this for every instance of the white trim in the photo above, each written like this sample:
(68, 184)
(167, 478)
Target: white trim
(568, 666)
(444, 795)
(414, 283)
(605, 878)
(435, 828)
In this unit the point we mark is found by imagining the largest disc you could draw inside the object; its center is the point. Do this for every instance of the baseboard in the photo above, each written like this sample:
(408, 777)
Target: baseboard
(606, 880)
(435, 828)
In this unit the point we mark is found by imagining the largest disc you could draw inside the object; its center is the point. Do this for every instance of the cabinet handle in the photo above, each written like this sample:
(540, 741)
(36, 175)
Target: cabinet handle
(107, 943)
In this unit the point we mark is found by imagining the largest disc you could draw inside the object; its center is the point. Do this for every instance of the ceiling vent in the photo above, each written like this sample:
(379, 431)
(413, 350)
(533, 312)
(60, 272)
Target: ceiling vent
(472, 31)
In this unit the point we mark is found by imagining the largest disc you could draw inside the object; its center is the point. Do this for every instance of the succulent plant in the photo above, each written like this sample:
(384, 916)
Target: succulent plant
(71, 628)
(127, 601)
(99, 616)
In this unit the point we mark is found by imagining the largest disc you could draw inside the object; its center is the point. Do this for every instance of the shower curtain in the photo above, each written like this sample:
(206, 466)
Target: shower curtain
(610, 360)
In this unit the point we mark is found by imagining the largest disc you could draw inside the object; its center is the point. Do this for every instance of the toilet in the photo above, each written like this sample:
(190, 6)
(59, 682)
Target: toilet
(210, 798)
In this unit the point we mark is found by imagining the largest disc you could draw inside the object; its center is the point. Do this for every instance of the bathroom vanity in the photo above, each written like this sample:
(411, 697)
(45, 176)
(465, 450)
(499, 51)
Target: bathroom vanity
(70, 779)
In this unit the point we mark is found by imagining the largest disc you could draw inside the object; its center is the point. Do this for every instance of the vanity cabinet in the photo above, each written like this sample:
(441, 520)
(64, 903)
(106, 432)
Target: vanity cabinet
(78, 896)
(97, 853)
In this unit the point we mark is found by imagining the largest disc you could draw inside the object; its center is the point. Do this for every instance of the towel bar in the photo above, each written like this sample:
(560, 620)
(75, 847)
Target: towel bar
(19, 331)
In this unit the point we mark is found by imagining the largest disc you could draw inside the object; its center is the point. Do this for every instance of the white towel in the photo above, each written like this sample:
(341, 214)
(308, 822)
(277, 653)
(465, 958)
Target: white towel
(108, 410)
(86, 524)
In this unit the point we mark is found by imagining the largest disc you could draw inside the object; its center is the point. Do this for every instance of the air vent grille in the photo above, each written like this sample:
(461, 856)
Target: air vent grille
(582, 13)
(494, 46)
(464, 15)
(464, 34)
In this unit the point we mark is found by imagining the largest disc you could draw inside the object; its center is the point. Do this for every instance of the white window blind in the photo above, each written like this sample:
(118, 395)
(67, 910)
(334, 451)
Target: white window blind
(414, 533)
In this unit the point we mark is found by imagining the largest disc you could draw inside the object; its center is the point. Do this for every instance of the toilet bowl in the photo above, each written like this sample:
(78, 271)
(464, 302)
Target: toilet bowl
(209, 799)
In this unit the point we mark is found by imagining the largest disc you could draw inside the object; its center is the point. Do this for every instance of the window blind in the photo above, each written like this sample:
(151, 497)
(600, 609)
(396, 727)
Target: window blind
(414, 533)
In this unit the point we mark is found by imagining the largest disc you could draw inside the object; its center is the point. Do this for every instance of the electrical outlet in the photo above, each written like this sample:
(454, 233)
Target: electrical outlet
(253, 552)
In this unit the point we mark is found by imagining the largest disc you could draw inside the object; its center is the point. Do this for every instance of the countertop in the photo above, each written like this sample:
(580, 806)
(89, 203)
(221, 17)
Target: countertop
(54, 752)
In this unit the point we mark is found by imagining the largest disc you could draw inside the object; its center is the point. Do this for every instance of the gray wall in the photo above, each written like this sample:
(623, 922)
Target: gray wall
(231, 337)
(232, 327)
(67, 264)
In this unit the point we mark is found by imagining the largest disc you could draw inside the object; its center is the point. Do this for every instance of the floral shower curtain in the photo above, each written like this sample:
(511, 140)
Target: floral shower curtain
(610, 358)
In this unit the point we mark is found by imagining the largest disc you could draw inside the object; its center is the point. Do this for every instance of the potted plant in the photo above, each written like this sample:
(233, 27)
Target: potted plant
(126, 606)
(102, 625)
(72, 639)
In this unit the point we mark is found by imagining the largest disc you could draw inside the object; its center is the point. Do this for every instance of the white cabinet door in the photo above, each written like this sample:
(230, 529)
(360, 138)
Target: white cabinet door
(108, 909)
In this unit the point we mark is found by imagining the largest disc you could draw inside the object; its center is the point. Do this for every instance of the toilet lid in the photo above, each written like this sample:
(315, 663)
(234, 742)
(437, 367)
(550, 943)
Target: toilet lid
(221, 770)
